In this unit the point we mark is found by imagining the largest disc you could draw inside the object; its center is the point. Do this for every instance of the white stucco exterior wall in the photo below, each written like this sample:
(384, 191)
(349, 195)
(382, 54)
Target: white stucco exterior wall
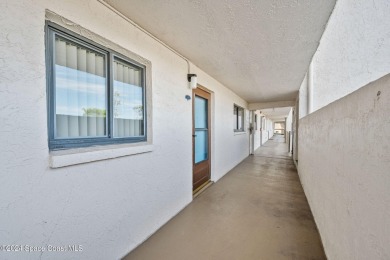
(270, 128)
(265, 127)
(295, 130)
(289, 128)
(303, 98)
(346, 175)
(223, 101)
(108, 206)
(289, 120)
(257, 132)
(354, 49)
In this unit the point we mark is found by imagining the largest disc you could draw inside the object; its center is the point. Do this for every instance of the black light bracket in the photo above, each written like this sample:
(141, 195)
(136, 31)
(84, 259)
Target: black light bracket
(189, 77)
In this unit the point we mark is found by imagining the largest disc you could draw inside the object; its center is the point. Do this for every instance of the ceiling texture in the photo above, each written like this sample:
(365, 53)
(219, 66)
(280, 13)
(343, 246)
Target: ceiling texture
(260, 49)
(276, 114)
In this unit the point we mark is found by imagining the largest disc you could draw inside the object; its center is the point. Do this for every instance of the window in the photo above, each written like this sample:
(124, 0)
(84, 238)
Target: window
(95, 95)
(238, 119)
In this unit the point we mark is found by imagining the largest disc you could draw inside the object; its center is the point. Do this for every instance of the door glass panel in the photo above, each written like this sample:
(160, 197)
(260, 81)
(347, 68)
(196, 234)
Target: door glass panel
(201, 145)
(201, 131)
(200, 112)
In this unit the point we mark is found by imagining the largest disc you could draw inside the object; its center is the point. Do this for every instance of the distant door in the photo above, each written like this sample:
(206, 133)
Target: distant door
(201, 137)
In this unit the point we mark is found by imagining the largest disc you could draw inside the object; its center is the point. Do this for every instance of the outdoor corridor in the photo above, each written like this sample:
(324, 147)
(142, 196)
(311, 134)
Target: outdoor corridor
(257, 211)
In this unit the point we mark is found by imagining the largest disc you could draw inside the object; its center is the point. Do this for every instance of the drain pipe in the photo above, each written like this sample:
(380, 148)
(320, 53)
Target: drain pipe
(310, 89)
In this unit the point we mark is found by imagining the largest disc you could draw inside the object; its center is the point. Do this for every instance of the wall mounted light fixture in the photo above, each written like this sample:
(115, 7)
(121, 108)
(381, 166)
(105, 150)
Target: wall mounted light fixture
(193, 80)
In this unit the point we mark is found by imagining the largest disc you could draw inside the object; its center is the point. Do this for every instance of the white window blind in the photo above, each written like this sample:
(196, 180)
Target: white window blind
(128, 100)
(81, 91)
(96, 95)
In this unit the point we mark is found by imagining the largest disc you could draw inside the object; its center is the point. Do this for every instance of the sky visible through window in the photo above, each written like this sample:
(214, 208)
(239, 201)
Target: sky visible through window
(77, 91)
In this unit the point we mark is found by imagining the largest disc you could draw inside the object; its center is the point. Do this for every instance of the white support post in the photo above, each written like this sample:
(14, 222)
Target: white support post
(252, 132)
(285, 129)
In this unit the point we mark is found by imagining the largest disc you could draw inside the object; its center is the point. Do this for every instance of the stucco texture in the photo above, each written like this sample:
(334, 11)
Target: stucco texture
(354, 50)
(259, 49)
(109, 206)
(344, 166)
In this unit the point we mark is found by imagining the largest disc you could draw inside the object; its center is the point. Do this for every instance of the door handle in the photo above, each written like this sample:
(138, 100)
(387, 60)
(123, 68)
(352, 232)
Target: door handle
(193, 135)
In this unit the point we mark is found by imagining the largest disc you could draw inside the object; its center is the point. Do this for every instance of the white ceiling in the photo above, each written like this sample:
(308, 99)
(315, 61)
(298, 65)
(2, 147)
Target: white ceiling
(260, 49)
(276, 114)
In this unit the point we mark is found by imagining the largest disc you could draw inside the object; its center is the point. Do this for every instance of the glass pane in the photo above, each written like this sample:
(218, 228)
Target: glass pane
(240, 118)
(200, 112)
(128, 100)
(201, 145)
(80, 89)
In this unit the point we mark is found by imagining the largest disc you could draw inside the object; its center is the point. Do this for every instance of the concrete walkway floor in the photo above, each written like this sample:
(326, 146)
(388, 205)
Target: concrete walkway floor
(256, 211)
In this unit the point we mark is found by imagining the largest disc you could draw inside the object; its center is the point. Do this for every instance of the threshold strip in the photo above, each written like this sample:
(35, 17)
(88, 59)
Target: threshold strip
(201, 188)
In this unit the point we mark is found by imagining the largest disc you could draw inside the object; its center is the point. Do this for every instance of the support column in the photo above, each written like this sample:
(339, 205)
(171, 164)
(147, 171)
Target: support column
(285, 129)
(252, 132)
(261, 130)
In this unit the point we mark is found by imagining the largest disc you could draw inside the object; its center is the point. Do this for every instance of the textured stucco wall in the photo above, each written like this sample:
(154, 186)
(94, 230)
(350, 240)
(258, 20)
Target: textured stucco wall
(344, 166)
(354, 49)
(270, 128)
(262, 132)
(289, 128)
(223, 137)
(267, 131)
(289, 121)
(295, 130)
(109, 206)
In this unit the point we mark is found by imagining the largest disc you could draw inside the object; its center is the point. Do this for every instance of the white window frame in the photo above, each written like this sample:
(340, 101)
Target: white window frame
(53, 29)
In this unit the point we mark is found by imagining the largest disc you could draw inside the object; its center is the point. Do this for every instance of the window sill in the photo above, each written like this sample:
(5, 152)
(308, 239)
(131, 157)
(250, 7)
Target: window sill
(69, 157)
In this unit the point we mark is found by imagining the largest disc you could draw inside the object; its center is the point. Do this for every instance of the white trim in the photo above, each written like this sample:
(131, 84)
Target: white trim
(69, 157)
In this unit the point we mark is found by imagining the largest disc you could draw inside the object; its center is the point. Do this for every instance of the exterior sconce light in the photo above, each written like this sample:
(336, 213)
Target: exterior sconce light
(193, 80)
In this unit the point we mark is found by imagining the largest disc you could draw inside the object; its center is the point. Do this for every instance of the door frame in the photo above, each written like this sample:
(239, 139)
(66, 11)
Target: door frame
(210, 130)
